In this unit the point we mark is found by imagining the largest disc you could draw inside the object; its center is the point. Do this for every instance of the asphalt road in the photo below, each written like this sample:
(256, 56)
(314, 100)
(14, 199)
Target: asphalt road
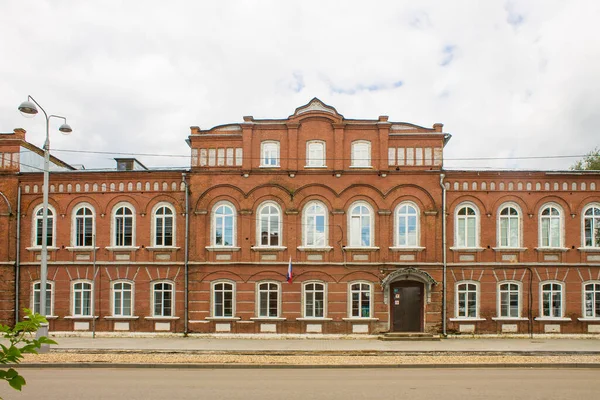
(292, 384)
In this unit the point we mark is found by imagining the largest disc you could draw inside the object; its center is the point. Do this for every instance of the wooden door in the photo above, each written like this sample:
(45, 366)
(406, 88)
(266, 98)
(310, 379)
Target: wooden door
(407, 306)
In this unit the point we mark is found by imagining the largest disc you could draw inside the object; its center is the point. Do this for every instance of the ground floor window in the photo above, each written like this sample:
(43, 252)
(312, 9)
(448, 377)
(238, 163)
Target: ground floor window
(509, 295)
(163, 299)
(82, 299)
(466, 300)
(360, 298)
(37, 297)
(223, 299)
(552, 300)
(314, 300)
(122, 299)
(268, 299)
(591, 300)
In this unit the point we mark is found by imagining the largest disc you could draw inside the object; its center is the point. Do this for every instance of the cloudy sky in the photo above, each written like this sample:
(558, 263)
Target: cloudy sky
(508, 79)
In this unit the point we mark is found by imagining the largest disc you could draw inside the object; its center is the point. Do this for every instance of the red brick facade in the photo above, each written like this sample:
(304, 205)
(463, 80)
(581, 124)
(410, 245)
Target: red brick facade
(339, 198)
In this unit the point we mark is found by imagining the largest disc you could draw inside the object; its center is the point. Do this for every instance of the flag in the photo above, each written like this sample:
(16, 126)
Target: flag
(289, 275)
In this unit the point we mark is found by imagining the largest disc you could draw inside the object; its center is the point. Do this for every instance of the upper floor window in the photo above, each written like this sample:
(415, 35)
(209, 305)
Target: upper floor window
(509, 299)
(591, 226)
(123, 223)
(223, 299)
(36, 303)
(509, 229)
(269, 225)
(163, 296)
(407, 225)
(361, 154)
(82, 299)
(550, 226)
(122, 299)
(164, 225)
(83, 221)
(268, 299)
(269, 154)
(360, 220)
(551, 304)
(467, 300)
(360, 300)
(315, 154)
(591, 300)
(466, 226)
(315, 224)
(223, 225)
(38, 221)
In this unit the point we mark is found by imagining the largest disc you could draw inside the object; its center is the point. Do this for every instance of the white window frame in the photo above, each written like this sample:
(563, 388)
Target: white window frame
(561, 227)
(213, 225)
(259, 219)
(596, 294)
(49, 304)
(353, 242)
(305, 294)
(269, 154)
(213, 303)
(595, 232)
(499, 292)
(307, 226)
(457, 294)
(74, 224)
(510, 218)
(458, 217)
(113, 223)
(153, 299)
(562, 299)
(314, 162)
(360, 300)
(398, 216)
(51, 219)
(156, 217)
(268, 291)
(74, 293)
(113, 294)
(360, 146)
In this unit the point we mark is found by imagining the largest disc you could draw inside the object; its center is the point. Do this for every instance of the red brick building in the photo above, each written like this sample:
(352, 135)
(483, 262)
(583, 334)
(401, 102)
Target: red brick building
(361, 212)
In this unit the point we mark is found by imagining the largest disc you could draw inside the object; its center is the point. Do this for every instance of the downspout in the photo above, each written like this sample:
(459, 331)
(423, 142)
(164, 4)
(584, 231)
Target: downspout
(186, 256)
(444, 256)
(18, 256)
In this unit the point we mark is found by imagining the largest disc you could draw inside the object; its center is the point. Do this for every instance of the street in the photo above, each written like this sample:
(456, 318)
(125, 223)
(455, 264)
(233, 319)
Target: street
(292, 384)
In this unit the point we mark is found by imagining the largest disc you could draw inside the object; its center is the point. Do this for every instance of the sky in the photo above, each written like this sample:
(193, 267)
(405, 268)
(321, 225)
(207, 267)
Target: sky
(508, 79)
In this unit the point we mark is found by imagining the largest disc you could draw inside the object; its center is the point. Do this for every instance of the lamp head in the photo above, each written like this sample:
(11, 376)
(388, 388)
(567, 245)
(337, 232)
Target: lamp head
(65, 128)
(28, 109)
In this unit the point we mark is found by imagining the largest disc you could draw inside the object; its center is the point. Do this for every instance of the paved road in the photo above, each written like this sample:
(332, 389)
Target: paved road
(292, 384)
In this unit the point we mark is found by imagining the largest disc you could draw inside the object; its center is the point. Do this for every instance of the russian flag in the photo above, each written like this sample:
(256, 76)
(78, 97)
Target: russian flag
(289, 275)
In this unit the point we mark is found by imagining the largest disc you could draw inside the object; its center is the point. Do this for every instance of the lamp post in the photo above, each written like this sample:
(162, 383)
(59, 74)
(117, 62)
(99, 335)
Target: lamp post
(29, 108)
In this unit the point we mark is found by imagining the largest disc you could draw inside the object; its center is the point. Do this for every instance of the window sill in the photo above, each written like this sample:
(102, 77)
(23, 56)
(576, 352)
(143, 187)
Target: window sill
(407, 248)
(222, 319)
(122, 318)
(268, 248)
(467, 319)
(81, 317)
(510, 319)
(122, 248)
(48, 317)
(314, 319)
(161, 318)
(162, 248)
(315, 249)
(582, 319)
(269, 166)
(553, 319)
(82, 248)
(589, 249)
(359, 319)
(361, 166)
(266, 319)
(222, 248)
(467, 249)
(359, 248)
(551, 249)
(39, 248)
(509, 249)
(315, 166)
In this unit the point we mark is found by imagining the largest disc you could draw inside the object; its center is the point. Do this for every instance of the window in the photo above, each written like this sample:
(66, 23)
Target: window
(315, 224)
(550, 223)
(164, 225)
(591, 300)
(223, 225)
(509, 295)
(466, 226)
(84, 226)
(591, 226)
(223, 299)
(269, 154)
(37, 297)
(407, 225)
(315, 154)
(269, 225)
(509, 227)
(551, 300)
(360, 222)
(268, 299)
(38, 226)
(82, 299)
(360, 300)
(314, 300)
(466, 300)
(361, 154)
(163, 299)
(123, 226)
(122, 299)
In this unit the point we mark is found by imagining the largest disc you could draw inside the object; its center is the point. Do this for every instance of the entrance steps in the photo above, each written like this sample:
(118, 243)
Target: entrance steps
(409, 336)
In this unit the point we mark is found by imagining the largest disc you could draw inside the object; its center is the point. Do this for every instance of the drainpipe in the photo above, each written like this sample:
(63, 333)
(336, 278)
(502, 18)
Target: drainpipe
(18, 256)
(444, 257)
(186, 256)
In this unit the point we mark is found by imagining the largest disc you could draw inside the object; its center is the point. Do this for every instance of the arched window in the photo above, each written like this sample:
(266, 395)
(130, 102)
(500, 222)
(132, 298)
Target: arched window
(122, 299)
(164, 225)
(269, 226)
(407, 225)
(550, 226)
(268, 299)
(83, 223)
(314, 299)
(361, 154)
(509, 231)
(123, 225)
(82, 298)
(223, 299)
(466, 226)
(551, 304)
(591, 226)
(467, 299)
(360, 300)
(36, 298)
(360, 221)
(38, 220)
(591, 300)
(163, 299)
(315, 153)
(315, 224)
(269, 154)
(223, 225)
(509, 300)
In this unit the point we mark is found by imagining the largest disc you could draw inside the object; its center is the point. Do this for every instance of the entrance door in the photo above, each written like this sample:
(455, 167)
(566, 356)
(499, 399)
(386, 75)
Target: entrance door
(407, 306)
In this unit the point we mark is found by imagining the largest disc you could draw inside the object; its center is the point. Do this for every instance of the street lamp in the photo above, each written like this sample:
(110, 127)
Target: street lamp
(30, 107)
